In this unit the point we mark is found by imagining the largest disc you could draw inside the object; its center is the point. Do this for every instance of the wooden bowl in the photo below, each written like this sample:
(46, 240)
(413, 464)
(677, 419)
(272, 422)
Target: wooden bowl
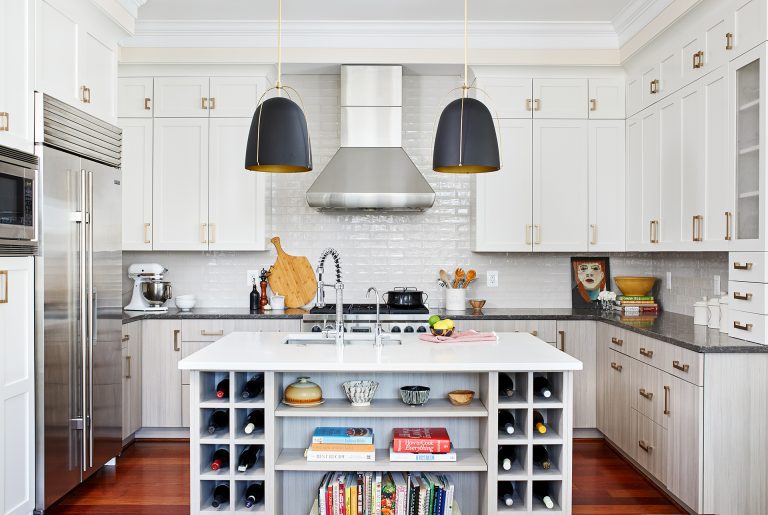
(461, 397)
(635, 286)
(441, 332)
(477, 303)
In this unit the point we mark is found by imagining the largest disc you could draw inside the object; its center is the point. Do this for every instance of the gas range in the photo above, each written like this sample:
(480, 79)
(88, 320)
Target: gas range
(361, 318)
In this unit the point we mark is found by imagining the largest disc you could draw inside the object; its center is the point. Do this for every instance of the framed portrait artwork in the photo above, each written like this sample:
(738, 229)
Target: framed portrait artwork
(589, 276)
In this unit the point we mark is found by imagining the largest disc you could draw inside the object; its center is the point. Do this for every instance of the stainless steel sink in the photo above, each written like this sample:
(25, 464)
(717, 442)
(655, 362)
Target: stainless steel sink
(319, 339)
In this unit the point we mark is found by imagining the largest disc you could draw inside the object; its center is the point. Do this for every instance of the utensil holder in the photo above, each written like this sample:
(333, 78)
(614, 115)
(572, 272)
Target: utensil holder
(455, 299)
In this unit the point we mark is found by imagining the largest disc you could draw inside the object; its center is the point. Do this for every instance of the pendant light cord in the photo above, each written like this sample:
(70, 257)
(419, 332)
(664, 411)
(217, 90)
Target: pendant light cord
(279, 45)
(466, 54)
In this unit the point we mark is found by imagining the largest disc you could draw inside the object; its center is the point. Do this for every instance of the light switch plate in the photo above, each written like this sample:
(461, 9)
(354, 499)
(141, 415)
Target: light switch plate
(716, 285)
(493, 278)
(669, 280)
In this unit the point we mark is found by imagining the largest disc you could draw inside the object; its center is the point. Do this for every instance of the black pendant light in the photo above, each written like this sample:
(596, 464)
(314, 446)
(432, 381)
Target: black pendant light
(465, 138)
(278, 141)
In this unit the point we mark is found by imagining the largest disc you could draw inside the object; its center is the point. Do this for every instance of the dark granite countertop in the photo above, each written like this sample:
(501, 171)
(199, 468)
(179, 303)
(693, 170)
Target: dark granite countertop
(672, 328)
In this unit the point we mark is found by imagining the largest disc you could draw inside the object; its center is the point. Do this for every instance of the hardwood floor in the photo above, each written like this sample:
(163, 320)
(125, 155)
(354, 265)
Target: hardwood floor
(153, 478)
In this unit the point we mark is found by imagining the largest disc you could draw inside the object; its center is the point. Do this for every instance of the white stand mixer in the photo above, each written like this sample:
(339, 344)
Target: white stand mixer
(149, 289)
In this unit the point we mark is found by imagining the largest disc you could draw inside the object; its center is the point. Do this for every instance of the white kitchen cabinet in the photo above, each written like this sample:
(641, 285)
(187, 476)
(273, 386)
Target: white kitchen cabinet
(507, 97)
(16, 82)
(693, 51)
(161, 377)
(578, 339)
(717, 26)
(182, 97)
(669, 228)
(560, 98)
(135, 97)
(56, 52)
(634, 94)
(650, 84)
(606, 99)
(748, 25)
(180, 184)
(651, 179)
(693, 192)
(670, 71)
(97, 72)
(506, 195)
(236, 211)
(131, 353)
(137, 183)
(235, 97)
(560, 185)
(606, 185)
(633, 203)
(719, 201)
(17, 385)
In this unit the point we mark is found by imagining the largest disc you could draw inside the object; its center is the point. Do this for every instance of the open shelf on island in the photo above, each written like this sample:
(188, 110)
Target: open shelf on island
(385, 408)
(467, 460)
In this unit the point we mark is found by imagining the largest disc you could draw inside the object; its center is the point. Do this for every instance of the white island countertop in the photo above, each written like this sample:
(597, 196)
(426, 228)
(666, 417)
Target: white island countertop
(269, 352)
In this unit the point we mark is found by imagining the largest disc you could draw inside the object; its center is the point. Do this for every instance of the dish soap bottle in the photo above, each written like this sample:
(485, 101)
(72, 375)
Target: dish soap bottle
(255, 298)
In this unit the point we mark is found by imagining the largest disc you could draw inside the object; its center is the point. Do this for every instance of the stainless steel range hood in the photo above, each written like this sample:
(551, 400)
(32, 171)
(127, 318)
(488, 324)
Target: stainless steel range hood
(371, 171)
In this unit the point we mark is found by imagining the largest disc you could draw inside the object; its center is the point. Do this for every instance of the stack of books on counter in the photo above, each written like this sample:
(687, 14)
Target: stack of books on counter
(421, 444)
(341, 444)
(385, 493)
(637, 305)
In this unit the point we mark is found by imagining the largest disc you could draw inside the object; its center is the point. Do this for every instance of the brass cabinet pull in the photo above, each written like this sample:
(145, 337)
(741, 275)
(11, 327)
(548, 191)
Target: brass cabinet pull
(743, 327)
(146, 233)
(617, 341)
(128, 365)
(537, 104)
(646, 353)
(647, 395)
(701, 228)
(666, 400)
(176, 333)
(654, 231)
(213, 233)
(728, 216)
(203, 231)
(698, 60)
(212, 102)
(676, 364)
(696, 231)
(527, 104)
(742, 296)
(204, 103)
(7, 125)
(85, 94)
(616, 367)
(654, 86)
(729, 41)
(4, 286)
(593, 241)
(562, 340)
(147, 100)
(739, 266)
(644, 446)
(528, 229)
(220, 332)
(126, 338)
(593, 104)
(537, 241)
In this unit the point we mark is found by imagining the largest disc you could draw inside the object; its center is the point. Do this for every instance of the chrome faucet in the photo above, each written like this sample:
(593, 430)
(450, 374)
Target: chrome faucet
(377, 328)
(338, 286)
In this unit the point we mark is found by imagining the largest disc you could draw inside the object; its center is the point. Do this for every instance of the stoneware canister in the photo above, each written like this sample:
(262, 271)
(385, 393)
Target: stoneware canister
(455, 299)
(700, 312)
(713, 307)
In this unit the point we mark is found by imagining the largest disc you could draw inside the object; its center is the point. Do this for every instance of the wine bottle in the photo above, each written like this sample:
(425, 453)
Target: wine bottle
(219, 421)
(222, 389)
(254, 494)
(253, 388)
(506, 385)
(506, 457)
(254, 421)
(506, 421)
(541, 387)
(541, 457)
(220, 459)
(254, 298)
(507, 492)
(541, 492)
(538, 422)
(248, 457)
(220, 495)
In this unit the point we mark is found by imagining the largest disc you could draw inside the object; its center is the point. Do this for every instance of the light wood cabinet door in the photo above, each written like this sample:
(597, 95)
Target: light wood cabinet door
(161, 377)
(137, 183)
(97, 75)
(692, 110)
(606, 185)
(507, 97)
(607, 99)
(56, 52)
(578, 339)
(560, 186)
(181, 97)
(126, 356)
(180, 184)
(131, 378)
(683, 408)
(618, 408)
(668, 205)
(560, 98)
(16, 80)
(650, 442)
(235, 97)
(602, 375)
(135, 97)
(236, 212)
(505, 196)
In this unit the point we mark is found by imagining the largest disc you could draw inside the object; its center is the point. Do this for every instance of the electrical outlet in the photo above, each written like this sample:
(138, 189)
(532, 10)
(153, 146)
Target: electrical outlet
(716, 285)
(493, 278)
(669, 280)
(253, 277)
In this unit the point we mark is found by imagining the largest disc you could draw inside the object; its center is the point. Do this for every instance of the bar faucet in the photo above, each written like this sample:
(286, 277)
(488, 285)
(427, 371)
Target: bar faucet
(338, 286)
(377, 328)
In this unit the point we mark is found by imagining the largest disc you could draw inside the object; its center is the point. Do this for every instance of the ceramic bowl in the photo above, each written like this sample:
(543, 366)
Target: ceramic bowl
(461, 397)
(414, 395)
(631, 286)
(185, 303)
(441, 332)
(477, 303)
(360, 393)
(303, 391)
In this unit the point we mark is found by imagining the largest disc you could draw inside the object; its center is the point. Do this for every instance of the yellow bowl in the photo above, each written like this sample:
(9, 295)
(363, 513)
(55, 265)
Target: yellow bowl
(635, 286)
(461, 397)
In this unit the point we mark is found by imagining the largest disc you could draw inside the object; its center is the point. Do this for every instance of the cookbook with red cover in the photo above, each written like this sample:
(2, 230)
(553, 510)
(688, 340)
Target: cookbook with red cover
(421, 439)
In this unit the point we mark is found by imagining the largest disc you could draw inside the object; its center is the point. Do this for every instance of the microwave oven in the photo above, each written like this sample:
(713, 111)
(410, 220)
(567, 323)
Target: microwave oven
(18, 216)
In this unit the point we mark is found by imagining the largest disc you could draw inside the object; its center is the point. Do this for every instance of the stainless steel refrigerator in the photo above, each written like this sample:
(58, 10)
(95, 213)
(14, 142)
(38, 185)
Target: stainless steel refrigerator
(77, 297)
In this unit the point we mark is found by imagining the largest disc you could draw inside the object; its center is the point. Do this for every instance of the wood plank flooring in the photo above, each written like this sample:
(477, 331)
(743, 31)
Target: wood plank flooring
(153, 478)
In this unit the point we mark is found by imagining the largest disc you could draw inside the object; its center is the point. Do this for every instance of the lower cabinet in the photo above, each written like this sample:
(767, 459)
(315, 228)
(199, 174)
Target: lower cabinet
(131, 346)
(684, 411)
(577, 338)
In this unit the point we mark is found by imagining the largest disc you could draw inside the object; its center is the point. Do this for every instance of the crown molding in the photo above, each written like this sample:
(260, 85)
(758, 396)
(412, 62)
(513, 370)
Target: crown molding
(636, 16)
(132, 6)
(372, 34)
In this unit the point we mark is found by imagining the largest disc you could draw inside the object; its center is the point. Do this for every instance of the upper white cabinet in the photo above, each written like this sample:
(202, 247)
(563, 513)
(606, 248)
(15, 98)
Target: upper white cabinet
(135, 97)
(137, 183)
(16, 81)
(507, 97)
(606, 99)
(560, 98)
(181, 97)
(56, 52)
(747, 25)
(235, 97)
(606, 183)
(97, 71)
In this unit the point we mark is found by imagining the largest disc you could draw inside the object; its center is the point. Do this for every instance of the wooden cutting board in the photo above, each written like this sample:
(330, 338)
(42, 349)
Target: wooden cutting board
(292, 277)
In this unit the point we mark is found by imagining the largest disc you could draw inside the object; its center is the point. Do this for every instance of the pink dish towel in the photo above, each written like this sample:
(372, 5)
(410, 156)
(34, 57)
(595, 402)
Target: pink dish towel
(461, 337)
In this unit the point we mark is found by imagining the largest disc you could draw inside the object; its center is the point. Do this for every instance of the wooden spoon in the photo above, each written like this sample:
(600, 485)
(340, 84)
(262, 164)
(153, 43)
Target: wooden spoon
(445, 278)
(458, 277)
(471, 276)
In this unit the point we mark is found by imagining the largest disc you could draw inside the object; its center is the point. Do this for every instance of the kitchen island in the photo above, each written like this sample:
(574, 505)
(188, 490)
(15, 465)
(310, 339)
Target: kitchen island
(291, 482)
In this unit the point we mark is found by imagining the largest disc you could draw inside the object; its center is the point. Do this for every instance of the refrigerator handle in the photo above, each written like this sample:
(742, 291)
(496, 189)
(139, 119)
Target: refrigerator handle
(91, 316)
(84, 319)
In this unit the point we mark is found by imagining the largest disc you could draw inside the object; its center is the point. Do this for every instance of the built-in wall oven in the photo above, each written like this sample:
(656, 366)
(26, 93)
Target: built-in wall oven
(18, 193)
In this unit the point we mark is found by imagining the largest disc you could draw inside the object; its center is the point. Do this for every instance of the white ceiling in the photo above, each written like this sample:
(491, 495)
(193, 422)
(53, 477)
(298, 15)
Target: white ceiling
(376, 10)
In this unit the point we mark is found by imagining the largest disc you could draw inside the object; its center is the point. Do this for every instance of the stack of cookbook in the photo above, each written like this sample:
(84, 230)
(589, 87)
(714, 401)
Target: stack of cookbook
(421, 444)
(341, 444)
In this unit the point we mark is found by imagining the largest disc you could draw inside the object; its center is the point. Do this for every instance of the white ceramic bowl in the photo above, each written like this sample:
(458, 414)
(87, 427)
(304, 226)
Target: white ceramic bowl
(360, 393)
(185, 303)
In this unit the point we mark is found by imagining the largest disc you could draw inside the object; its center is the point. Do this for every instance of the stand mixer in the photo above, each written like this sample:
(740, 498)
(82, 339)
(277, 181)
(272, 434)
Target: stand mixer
(149, 289)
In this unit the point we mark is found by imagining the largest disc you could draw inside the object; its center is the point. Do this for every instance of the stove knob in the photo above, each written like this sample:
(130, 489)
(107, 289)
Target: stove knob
(408, 329)
(421, 329)
(396, 329)
(330, 328)
(316, 329)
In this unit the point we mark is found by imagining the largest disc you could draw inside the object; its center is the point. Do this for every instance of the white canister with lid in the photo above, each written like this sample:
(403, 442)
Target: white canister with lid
(725, 321)
(700, 312)
(713, 307)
